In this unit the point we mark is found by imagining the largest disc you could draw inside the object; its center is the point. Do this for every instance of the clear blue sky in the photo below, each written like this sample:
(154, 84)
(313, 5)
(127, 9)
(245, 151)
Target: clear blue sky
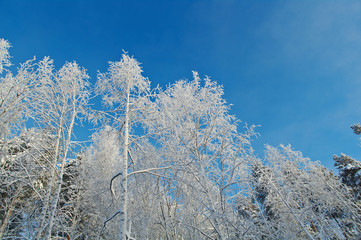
(293, 67)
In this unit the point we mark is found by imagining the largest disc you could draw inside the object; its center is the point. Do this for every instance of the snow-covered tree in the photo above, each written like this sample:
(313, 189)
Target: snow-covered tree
(100, 164)
(23, 178)
(201, 138)
(21, 156)
(61, 101)
(349, 172)
(15, 94)
(306, 200)
(4, 54)
(171, 164)
(126, 94)
(349, 168)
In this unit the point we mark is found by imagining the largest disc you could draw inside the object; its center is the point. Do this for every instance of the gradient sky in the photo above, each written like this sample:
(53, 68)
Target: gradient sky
(293, 67)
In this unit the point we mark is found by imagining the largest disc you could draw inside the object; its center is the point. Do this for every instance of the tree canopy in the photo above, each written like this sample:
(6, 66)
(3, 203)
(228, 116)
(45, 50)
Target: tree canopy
(168, 163)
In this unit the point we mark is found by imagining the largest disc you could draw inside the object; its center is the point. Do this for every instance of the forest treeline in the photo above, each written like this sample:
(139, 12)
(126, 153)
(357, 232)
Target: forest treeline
(160, 164)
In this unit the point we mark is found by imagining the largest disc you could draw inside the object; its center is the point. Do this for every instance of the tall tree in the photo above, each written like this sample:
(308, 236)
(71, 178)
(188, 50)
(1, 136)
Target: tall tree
(61, 101)
(306, 198)
(201, 138)
(349, 172)
(23, 178)
(20, 155)
(126, 92)
(100, 164)
(350, 169)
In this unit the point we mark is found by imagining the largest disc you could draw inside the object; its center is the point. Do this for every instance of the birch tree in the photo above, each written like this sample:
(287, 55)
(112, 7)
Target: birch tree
(15, 92)
(61, 102)
(100, 164)
(23, 178)
(172, 164)
(305, 199)
(202, 138)
(126, 92)
(19, 155)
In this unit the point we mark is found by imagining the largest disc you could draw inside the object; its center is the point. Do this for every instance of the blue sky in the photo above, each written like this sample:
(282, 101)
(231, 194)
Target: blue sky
(293, 67)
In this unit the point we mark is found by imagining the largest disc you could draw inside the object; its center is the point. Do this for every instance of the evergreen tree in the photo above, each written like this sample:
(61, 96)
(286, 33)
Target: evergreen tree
(349, 173)
(349, 168)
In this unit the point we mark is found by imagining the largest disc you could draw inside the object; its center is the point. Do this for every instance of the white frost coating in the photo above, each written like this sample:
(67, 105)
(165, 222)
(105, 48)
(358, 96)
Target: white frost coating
(121, 75)
(4, 54)
(123, 87)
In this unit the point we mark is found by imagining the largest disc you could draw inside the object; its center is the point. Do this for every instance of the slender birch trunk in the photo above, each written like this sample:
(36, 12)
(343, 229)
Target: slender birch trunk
(7, 217)
(60, 178)
(45, 208)
(116, 85)
(124, 183)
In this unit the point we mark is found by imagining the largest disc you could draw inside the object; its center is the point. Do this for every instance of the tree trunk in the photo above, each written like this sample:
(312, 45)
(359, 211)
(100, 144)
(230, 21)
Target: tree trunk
(60, 178)
(7, 217)
(45, 208)
(124, 182)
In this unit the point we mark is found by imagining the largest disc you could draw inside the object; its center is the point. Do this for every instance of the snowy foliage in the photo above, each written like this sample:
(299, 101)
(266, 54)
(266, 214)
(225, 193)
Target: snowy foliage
(122, 76)
(349, 170)
(356, 128)
(305, 196)
(202, 138)
(162, 164)
(4, 54)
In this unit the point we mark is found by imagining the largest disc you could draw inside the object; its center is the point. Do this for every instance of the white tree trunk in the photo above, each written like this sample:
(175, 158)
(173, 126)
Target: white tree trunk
(7, 217)
(60, 177)
(124, 182)
(45, 208)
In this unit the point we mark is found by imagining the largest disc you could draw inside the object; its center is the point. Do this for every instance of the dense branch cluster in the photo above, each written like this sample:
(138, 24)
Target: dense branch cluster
(161, 163)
